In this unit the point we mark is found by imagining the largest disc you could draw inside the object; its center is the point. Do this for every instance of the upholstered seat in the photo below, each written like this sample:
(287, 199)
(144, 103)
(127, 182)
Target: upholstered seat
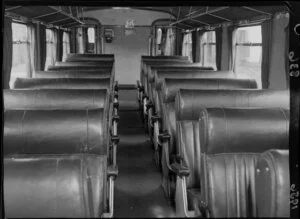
(55, 186)
(224, 157)
(72, 74)
(62, 83)
(272, 183)
(55, 131)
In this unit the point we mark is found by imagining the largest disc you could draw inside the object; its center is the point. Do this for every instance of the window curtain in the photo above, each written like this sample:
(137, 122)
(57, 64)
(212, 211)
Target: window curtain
(59, 48)
(79, 40)
(85, 39)
(186, 45)
(31, 49)
(225, 50)
(41, 48)
(55, 45)
(219, 34)
(266, 31)
(66, 45)
(7, 52)
(201, 52)
(231, 46)
(170, 43)
(73, 40)
(194, 45)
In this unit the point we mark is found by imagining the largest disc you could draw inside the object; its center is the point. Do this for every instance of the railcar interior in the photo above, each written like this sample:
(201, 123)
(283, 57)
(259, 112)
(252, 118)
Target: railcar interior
(145, 111)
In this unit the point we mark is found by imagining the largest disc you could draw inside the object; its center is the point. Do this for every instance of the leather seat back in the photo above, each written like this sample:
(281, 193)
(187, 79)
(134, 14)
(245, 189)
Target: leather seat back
(55, 99)
(62, 83)
(230, 142)
(72, 74)
(171, 86)
(272, 184)
(188, 102)
(78, 68)
(86, 64)
(55, 131)
(49, 186)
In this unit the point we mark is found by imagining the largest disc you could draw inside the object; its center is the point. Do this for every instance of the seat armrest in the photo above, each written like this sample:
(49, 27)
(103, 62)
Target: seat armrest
(115, 118)
(179, 170)
(115, 139)
(112, 171)
(164, 137)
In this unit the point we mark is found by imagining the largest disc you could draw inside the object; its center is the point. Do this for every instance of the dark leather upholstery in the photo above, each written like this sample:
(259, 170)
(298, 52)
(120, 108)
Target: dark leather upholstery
(189, 102)
(79, 68)
(55, 99)
(230, 142)
(86, 64)
(235, 130)
(62, 83)
(63, 186)
(72, 74)
(170, 86)
(55, 131)
(74, 57)
(272, 183)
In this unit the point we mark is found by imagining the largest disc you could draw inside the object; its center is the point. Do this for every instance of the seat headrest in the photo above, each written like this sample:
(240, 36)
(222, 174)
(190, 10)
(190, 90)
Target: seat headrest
(54, 186)
(62, 83)
(72, 74)
(272, 183)
(231, 130)
(170, 86)
(55, 131)
(177, 71)
(89, 64)
(189, 102)
(55, 99)
(80, 67)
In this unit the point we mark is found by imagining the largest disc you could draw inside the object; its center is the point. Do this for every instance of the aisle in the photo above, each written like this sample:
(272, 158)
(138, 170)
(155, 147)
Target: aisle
(138, 191)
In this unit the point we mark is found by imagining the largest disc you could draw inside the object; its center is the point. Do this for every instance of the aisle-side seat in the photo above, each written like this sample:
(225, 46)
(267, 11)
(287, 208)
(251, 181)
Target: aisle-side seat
(220, 174)
(164, 119)
(79, 68)
(46, 99)
(86, 64)
(57, 131)
(153, 105)
(63, 83)
(75, 57)
(57, 185)
(272, 184)
(72, 74)
(182, 117)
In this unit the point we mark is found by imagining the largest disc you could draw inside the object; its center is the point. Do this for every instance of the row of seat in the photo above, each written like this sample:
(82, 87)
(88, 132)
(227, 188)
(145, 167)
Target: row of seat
(221, 143)
(60, 140)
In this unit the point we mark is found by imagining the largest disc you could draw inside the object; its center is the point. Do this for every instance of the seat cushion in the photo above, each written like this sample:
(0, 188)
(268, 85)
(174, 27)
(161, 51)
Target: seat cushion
(72, 186)
(272, 181)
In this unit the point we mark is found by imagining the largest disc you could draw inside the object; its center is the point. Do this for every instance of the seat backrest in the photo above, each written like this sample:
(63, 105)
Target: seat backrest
(177, 70)
(55, 131)
(86, 63)
(55, 99)
(72, 74)
(171, 86)
(272, 183)
(188, 102)
(230, 142)
(49, 186)
(63, 83)
(79, 68)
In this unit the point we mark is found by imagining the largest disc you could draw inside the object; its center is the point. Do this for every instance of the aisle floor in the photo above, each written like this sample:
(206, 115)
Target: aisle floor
(138, 191)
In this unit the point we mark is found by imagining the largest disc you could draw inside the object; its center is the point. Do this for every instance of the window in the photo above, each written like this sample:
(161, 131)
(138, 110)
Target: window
(91, 40)
(158, 41)
(50, 48)
(248, 53)
(187, 46)
(208, 49)
(21, 50)
(66, 45)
